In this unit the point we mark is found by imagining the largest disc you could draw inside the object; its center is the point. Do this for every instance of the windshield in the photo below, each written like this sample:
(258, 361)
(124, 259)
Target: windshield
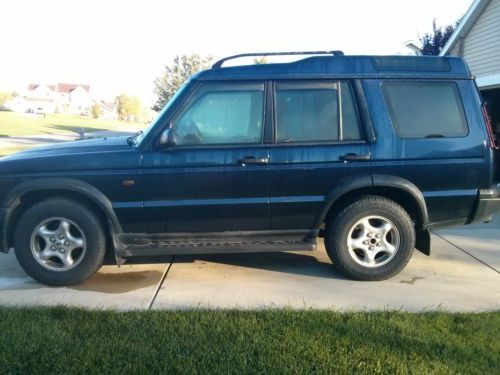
(140, 136)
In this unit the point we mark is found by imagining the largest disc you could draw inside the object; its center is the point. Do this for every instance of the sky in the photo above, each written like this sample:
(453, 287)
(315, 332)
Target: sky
(120, 46)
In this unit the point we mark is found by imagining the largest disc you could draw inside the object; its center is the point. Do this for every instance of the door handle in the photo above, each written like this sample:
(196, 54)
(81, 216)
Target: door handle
(253, 160)
(354, 157)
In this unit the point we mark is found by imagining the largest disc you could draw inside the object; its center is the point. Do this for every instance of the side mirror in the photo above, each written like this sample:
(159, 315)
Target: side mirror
(167, 139)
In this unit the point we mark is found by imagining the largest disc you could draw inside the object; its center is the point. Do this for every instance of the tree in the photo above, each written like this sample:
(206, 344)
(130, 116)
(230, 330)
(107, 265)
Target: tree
(96, 111)
(175, 75)
(260, 60)
(4, 97)
(128, 107)
(433, 43)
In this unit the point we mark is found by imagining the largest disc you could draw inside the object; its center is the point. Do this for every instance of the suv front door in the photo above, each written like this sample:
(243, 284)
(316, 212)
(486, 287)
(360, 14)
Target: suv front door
(214, 178)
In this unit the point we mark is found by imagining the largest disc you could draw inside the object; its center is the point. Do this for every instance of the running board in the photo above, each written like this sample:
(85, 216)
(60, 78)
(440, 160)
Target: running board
(138, 244)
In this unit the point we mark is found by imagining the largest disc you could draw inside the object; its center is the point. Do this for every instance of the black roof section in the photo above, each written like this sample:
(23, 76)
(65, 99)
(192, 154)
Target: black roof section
(340, 66)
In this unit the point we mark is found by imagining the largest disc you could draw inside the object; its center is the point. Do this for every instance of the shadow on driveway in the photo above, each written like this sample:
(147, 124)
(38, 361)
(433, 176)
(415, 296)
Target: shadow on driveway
(304, 264)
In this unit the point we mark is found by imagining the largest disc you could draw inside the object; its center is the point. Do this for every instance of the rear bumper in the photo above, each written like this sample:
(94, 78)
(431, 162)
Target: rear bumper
(488, 203)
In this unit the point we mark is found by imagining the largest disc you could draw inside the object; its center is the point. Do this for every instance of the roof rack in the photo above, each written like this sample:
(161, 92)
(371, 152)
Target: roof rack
(219, 63)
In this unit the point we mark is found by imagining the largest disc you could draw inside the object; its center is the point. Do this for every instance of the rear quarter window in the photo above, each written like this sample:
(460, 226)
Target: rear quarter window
(425, 109)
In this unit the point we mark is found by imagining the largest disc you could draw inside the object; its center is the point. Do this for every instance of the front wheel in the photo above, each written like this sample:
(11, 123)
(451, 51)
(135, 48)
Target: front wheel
(59, 242)
(370, 239)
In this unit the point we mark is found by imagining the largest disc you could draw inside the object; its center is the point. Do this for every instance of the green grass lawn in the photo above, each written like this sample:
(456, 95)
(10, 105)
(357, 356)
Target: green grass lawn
(14, 124)
(60, 340)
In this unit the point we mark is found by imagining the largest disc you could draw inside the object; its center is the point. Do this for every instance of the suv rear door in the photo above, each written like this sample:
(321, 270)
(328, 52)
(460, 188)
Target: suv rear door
(318, 145)
(214, 179)
(431, 133)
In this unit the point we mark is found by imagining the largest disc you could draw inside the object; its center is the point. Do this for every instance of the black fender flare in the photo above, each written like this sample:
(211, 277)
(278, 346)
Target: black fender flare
(13, 197)
(358, 182)
(344, 186)
(408, 187)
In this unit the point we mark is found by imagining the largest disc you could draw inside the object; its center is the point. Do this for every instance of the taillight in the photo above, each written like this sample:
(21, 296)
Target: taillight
(489, 129)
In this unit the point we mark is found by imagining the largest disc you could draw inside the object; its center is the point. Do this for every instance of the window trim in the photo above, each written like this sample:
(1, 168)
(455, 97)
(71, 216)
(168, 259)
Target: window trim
(392, 116)
(320, 84)
(224, 87)
(320, 143)
(364, 115)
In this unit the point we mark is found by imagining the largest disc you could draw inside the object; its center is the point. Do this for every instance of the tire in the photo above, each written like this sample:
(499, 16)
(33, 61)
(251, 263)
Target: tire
(370, 239)
(59, 242)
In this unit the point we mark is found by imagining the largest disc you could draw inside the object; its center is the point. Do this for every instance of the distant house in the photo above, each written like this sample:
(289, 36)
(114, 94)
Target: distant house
(39, 98)
(477, 39)
(108, 110)
(61, 98)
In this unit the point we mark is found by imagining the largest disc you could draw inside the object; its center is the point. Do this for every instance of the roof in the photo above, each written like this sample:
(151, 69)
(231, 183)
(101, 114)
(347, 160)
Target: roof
(68, 87)
(470, 18)
(107, 106)
(33, 86)
(61, 87)
(346, 67)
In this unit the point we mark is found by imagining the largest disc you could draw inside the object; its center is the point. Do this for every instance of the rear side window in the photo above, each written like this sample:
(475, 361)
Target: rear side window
(315, 112)
(425, 109)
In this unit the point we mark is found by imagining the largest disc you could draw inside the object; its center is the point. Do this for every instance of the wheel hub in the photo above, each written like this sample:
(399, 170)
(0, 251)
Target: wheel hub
(373, 241)
(58, 244)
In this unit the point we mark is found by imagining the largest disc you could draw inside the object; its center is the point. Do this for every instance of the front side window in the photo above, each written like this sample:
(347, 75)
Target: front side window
(425, 109)
(315, 112)
(221, 114)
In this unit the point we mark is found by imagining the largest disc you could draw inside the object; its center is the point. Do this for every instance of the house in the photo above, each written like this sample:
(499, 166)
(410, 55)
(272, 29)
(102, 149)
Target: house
(61, 98)
(477, 39)
(39, 98)
(108, 110)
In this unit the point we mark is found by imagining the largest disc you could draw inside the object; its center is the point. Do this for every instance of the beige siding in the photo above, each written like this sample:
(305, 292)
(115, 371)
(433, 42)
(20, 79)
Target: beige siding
(481, 47)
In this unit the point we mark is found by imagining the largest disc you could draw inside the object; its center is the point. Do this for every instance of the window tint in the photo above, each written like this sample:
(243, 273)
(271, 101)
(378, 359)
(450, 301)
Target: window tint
(221, 117)
(425, 109)
(315, 112)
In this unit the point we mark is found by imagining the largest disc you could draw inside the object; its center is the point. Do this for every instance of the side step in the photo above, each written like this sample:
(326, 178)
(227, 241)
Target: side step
(138, 244)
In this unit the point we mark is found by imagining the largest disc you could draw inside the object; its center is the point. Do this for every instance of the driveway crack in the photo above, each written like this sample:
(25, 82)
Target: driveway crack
(162, 280)
(466, 252)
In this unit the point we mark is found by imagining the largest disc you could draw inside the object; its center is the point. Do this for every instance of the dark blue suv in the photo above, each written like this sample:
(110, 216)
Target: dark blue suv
(369, 152)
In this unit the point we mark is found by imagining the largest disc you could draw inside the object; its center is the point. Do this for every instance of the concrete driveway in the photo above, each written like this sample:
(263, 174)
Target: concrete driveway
(463, 274)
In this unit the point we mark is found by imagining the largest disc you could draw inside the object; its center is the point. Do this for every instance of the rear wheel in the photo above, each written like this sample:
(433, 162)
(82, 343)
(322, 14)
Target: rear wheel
(370, 239)
(59, 242)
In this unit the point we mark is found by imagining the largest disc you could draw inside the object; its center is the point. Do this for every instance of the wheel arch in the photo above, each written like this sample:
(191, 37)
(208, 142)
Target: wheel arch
(29, 192)
(395, 188)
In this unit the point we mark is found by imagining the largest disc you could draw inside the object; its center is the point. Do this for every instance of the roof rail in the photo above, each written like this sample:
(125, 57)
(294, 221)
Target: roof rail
(219, 63)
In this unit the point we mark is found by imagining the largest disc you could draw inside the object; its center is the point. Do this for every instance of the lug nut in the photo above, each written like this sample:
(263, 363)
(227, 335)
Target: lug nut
(61, 251)
(371, 248)
(377, 235)
(379, 244)
(60, 236)
(53, 248)
(365, 242)
(66, 243)
(369, 234)
(52, 239)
